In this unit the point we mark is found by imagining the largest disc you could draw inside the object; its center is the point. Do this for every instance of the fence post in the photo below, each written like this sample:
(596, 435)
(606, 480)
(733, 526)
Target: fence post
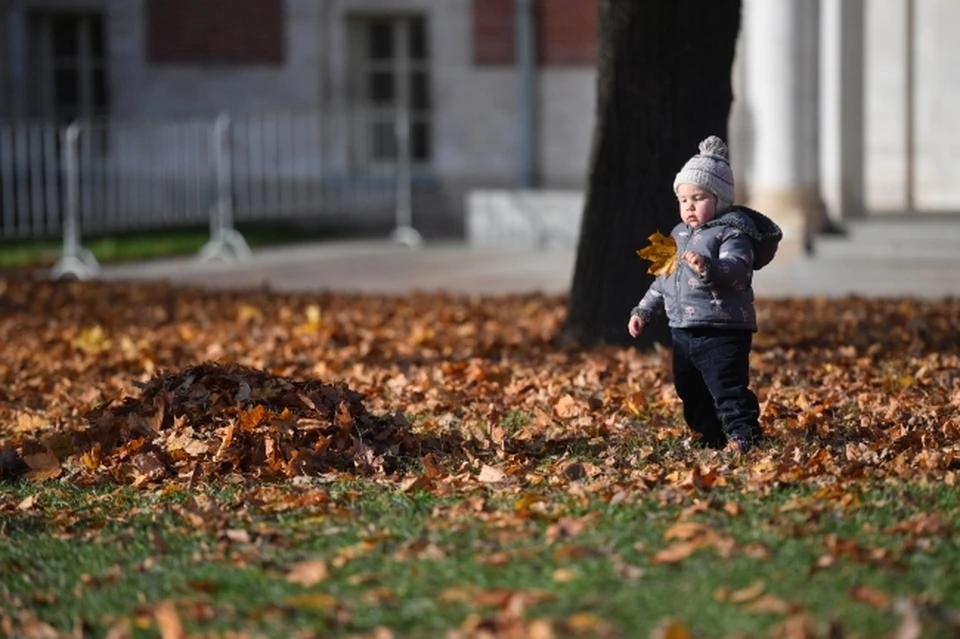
(75, 259)
(225, 242)
(404, 233)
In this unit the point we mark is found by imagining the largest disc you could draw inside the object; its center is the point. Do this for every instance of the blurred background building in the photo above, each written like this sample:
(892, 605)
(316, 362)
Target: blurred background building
(844, 108)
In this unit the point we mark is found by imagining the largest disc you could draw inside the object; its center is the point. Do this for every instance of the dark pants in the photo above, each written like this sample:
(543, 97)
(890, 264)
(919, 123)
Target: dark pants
(711, 371)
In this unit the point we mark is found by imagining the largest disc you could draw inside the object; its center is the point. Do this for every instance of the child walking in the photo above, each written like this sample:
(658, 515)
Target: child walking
(708, 301)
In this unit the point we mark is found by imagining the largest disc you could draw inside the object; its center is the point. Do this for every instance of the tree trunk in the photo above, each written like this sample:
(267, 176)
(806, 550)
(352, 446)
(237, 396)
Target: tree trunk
(664, 84)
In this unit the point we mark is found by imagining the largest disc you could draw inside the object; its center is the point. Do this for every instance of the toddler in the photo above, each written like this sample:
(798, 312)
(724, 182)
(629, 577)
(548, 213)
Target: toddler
(708, 301)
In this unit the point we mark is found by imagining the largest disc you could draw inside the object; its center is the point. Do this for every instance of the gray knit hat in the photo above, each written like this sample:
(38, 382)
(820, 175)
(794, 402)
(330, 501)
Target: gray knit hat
(710, 170)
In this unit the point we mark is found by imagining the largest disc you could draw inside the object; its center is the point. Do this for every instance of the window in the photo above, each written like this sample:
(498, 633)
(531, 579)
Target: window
(391, 57)
(69, 51)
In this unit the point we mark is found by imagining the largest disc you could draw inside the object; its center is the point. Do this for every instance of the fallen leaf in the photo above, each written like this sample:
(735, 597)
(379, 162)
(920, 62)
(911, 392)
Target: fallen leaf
(418, 482)
(540, 629)
(871, 597)
(769, 604)
(168, 621)
(587, 623)
(749, 593)
(308, 573)
(43, 466)
(313, 601)
(910, 626)
(564, 575)
(491, 475)
(27, 503)
(686, 530)
(676, 553)
(671, 629)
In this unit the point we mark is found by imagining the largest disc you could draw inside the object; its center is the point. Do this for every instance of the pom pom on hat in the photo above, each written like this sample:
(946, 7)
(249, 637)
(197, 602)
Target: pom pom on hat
(714, 146)
(710, 170)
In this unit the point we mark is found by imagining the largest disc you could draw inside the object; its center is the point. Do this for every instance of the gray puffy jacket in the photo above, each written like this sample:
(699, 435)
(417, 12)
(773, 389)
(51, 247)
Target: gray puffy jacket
(736, 244)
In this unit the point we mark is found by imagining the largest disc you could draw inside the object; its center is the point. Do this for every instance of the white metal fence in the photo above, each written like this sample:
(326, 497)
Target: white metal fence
(99, 177)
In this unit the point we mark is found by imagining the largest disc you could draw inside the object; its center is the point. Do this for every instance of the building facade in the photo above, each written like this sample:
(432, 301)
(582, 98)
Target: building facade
(452, 61)
(849, 101)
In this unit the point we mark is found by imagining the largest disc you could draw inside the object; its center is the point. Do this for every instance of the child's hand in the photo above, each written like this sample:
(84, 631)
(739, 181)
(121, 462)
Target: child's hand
(635, 325)
(696, 261)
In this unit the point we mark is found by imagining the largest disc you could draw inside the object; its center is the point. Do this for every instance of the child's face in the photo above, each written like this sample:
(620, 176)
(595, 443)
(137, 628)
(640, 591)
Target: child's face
(697, 206)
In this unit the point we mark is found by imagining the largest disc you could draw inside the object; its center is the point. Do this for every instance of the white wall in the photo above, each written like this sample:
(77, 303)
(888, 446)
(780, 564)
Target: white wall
(141, 89)
(936, 115)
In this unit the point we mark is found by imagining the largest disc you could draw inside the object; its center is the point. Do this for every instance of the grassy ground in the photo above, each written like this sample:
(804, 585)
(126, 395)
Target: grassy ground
(258, 463)
(373, 556)
(157, 244)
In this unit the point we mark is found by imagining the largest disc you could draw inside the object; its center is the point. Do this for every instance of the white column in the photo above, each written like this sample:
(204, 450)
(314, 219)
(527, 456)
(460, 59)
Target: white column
(739, 136)
(842, 109)
(782, 107)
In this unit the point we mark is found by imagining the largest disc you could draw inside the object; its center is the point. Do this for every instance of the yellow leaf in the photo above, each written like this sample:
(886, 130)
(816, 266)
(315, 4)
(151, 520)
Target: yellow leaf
(662, 254)
(636, 405)
(522, 505)
(92, 341)
(249, 313)
(314, 317)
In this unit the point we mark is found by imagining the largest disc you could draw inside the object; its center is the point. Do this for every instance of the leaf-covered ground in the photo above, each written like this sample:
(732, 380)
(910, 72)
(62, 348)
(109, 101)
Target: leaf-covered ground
(195, 406)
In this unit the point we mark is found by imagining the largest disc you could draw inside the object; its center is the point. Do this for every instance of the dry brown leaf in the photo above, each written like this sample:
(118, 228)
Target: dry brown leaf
(749, 593)
(168, 621)
(566, 407)
(540, 629)
(586, 623)
(871, 597)
(312, 601)
(671, 629)
(686, 530)
(910, 625)
(564, 575)
(308, 573)
(676, 553)
(491, 475)
(43, 466)
(769, 604)
(418, 482)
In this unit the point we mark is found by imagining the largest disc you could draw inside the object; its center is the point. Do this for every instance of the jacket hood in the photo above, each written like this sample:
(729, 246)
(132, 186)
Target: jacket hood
(764, 232)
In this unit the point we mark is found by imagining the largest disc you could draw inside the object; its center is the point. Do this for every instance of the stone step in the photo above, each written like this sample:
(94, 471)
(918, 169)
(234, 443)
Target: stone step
(894, 239)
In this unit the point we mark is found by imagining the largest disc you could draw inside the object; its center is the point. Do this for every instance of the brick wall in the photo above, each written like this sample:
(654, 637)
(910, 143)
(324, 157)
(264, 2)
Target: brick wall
(238, 32)
(566, 32)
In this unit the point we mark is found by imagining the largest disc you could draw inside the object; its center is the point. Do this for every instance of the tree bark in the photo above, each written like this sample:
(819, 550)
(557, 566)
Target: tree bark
(663, 84)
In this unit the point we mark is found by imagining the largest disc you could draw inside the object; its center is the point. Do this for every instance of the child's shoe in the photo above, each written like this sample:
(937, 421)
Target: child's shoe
(737, 447)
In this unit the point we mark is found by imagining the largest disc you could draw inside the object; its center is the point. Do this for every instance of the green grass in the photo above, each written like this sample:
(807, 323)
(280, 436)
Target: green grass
(151, 245)
(414, 563)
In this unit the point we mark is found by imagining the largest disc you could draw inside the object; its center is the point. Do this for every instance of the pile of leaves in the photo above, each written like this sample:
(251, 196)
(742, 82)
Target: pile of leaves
(212, 419)
(137, 383)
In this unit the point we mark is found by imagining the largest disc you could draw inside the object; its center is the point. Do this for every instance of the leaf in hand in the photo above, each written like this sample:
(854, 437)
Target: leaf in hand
(662, 254)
